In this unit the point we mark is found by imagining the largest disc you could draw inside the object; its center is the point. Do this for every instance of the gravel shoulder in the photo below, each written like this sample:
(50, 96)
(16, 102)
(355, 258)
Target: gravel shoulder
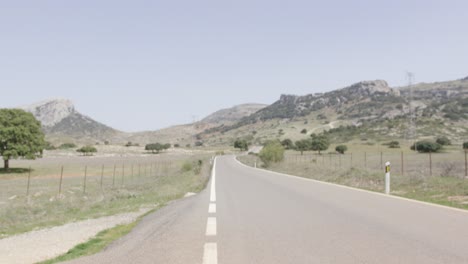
(48, 243)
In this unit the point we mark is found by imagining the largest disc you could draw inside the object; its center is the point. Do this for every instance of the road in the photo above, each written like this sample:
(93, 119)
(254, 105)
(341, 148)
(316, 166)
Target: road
(264, 217)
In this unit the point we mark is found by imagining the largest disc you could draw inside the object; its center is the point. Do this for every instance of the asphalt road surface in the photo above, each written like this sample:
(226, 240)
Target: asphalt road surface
(247, 215)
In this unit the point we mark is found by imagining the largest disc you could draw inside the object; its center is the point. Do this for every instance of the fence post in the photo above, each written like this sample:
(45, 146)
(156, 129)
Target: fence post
(365, 160)
(113, 177)
(466, 165)
(402, 165)
(123, 173)
(381, 160)
(60, 185)
(340, 160)
(102, 174)
(29, 181)
(84, 181)
(387, 177)
(430, 163)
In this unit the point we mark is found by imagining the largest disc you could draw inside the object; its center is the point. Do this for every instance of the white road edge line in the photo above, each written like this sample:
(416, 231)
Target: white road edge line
(212, 208)
(213, 182)
(355, 189)
(211, 226)
(210, 253)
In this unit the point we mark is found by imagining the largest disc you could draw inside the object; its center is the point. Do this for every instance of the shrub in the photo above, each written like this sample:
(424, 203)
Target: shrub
(304, 131)
(341, 149)
(272, 152)
(176, 145)
(444, 141)
(198, 143)
(426, 146)
(67, 146)
(287, 143)
(87, 150)
(241, 144)
(394, 144)
(465, 145)
(106, 142)
(187, 166)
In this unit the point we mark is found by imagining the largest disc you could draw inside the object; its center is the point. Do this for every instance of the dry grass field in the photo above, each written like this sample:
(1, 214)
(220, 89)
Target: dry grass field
(115, 180)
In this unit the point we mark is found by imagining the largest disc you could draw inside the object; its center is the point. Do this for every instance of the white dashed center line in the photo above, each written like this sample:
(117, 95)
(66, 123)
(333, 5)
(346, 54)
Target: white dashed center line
(212, 208)
(210, 253)
(211, 226)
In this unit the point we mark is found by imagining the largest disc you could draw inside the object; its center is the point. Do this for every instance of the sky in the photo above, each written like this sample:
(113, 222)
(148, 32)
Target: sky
(144, 65)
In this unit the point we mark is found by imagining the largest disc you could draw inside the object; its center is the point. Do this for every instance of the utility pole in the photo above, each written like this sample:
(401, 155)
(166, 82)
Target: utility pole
(412, 112)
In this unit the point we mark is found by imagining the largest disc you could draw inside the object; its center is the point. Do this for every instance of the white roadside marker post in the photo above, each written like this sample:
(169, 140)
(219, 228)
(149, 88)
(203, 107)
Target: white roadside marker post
(387, 177)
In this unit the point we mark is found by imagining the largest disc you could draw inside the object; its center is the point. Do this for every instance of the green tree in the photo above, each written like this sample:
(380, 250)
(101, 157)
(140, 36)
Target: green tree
(241, 144)
(166, 146)
(303, 145)
(154, 147)
(394, 144)
(341, 149)
(444, 141)
(287, 143)
(465, 145)
(87, 150)
(319, 143)
(20, 136)
(426, 146)
(273, 151)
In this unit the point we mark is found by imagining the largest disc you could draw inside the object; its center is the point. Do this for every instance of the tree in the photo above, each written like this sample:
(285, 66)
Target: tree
(166, 146)
(341, 149)
(176, 145)
(273, 151)
(444, 141)
(304, 131)
(87, 150)
(465, 145)
(154, 147)
(287, 143)
(20, 136)
(241, 144)
(303, 145)
(426, 146)
(319, 143)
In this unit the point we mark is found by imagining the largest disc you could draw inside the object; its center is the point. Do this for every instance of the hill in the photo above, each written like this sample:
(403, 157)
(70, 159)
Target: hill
(368, 110)
(62, 122)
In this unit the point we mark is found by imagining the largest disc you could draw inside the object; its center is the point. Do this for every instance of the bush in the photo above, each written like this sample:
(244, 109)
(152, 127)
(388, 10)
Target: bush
(49, 146)
(67, 146)
(187, 166)
(241, 144)
(272, 152)
(394, 144)
(444, 141)
(198, 143)
(304, 131)
(287, 144)
(465, 145)
(426, 146)
(176, 145)
(87, 150)
(341, 149)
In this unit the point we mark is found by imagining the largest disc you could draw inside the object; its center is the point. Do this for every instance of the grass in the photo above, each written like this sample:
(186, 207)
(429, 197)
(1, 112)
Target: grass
(154, 180)
(94, 245)
(446, 186)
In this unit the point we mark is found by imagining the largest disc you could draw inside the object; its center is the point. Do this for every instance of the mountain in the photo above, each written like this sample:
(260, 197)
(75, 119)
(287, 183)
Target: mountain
(370, 109)
(233, 114)
(62, 122)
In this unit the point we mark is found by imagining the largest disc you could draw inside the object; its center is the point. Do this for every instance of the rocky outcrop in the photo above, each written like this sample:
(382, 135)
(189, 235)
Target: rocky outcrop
(51, 112)
(59, 119)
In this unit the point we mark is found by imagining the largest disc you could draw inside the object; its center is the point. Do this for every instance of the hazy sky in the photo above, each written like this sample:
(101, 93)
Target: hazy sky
(141, 65)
